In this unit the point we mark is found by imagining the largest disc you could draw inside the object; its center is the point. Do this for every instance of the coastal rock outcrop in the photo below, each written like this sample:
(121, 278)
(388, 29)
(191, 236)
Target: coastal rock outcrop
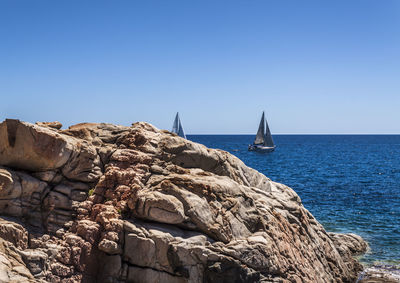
(380, 274)
(107, 203)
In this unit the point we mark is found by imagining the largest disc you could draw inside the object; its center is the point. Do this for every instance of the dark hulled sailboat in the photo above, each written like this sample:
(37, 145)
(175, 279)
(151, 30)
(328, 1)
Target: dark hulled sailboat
(263, 141)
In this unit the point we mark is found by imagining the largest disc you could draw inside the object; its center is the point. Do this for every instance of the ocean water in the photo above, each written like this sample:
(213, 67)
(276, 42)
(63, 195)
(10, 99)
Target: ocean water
(350, 183)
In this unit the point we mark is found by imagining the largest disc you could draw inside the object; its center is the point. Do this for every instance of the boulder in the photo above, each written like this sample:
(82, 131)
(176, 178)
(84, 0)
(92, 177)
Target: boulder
(31, 147)
(35, 148)
(352, 242)
(14, 233)
(12, 266)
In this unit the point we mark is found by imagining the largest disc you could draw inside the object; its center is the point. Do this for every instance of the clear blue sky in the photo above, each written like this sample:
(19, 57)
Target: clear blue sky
(314, 66)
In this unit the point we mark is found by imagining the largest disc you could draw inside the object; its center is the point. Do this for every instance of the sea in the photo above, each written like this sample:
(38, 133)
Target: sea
(350, 183)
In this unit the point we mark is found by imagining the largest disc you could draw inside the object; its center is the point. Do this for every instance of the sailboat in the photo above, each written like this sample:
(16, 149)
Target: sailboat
(177, 127)
(263, 141)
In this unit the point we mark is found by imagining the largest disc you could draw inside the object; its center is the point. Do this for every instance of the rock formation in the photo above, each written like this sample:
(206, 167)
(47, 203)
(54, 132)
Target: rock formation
(107, 203)
(380, 274)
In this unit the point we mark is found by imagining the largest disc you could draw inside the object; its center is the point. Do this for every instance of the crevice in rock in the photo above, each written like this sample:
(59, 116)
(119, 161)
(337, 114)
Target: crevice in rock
(152, 268)
(143, 221)
(12, 126)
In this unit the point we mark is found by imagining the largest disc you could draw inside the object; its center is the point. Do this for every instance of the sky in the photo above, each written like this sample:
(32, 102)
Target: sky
(314, 66)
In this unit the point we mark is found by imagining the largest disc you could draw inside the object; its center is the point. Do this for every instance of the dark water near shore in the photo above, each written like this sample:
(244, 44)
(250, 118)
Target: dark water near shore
(350, 183)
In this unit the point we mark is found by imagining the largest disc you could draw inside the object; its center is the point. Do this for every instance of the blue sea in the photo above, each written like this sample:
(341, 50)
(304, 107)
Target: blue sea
(350, 183)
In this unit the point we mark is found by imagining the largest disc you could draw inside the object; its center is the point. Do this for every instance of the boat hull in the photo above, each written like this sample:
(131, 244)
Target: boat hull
(261, 148)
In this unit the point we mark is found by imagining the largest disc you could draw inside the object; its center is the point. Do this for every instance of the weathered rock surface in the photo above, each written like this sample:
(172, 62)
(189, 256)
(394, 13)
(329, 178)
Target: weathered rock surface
(349, 242)
(106, 203)
(380, 274)
(55, 125)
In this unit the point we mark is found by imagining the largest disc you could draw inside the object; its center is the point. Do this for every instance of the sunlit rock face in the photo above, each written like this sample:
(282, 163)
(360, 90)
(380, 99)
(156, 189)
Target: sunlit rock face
(107, 203)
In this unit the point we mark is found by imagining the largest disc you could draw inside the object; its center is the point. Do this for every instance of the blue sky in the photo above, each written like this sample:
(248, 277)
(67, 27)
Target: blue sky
(313, 66)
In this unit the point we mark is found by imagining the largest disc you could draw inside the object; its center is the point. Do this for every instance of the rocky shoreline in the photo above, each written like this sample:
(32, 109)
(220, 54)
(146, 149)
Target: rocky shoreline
(108, 203)
(380, 273)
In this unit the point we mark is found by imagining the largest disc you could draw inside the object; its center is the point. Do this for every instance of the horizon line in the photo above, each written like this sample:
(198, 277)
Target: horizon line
(310, 134)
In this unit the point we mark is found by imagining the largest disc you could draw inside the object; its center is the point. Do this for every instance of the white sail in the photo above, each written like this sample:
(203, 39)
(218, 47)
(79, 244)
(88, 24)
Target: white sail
(260, 137)
(177, 127)
(268, 141)
(181, 132)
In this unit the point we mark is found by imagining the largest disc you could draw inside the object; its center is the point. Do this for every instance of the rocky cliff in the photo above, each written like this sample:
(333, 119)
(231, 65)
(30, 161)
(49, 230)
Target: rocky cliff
(107, 203)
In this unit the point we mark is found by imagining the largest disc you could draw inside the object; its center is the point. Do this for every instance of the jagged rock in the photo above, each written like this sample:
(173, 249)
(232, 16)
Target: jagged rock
(88, 230)
(109, 247)
(35, 260)
(35, 148)
(31, 147)
(84, 164)
(12, 267)
(380, 274)
(20, 195)
(106, 203)
(14, 233)
(99, 134)
(48, 176)
(55, 125)
(352, 242)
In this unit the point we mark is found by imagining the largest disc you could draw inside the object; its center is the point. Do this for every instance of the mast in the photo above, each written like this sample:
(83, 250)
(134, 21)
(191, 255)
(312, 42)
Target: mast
(260, 137)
